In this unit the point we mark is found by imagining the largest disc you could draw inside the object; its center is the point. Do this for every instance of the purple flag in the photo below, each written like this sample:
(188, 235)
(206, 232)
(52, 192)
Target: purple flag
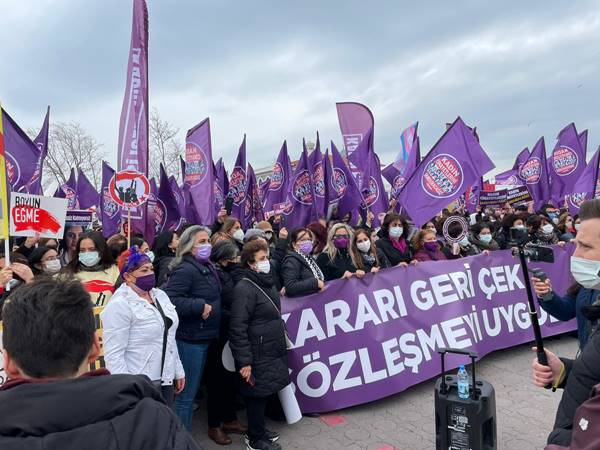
(535, 174)
(455, 162)
(372, 189)
(407, 140)
(567, 162)
(585, 187)
(155, 214)
(280, 178)
(509, 178)
(182, 164)
(221, 185)
(167, 198)
(68, 190)
(178, 195)
(472, 196)
(21, 154)
(238, 182)
(355, 121)
(109, 209)
(521, 159)
(263, 187)
(87, 196)
(398, 179)
(133, 128)
(315, 164)
(299, 207)
(583, 138)
(199, 174)
(343, 185)
(41, 141)
(253, 211)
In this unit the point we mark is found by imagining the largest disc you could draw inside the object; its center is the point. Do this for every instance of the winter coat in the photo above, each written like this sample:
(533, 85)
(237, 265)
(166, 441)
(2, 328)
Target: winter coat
(393, 255)
(92, 412)
(191, 286)
(161, 270)
(368, 264)
(334, 270)
(229, 277)
(423, 255)
(297, 277)
(133, 336)
(257, 335)
(568, 307)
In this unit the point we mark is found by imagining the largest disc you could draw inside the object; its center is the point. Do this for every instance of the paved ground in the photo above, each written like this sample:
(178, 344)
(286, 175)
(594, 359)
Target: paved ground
(406, 421)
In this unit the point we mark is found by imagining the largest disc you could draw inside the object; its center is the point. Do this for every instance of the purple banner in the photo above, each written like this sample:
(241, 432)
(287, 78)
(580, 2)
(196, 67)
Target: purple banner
(355, 120)
(21, 154)
(238, 182)
(567, 162)
(585, 187)
(360, 340)
(199, 173)
(534, 172)
(493, 199)
(109, 210)
(41, 141)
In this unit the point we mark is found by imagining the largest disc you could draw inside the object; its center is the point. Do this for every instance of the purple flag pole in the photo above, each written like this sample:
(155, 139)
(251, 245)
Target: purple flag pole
(199, 174)
(454, 163)
(21, 154)
(355, 121)
(567, 162)
(238, 182)
(109, 209)
(585, 188)
(41, 142)
(86, 192)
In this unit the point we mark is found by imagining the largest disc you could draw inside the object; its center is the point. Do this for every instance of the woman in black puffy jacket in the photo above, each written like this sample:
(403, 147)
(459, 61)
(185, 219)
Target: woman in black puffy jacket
(337, 261)
(300, 272)
(257, 340)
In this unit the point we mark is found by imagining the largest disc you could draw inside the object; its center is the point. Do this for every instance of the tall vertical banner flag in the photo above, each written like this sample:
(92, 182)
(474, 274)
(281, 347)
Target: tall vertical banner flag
(355, 121)
(454, 163)
(535, 174)
(373, 191)
(4, 214)
(221, 185)
(300, 205)
(109, 210)
(567, 162)
(21, 155)
(41, 142)
(280, 178)
(585, 187)
(133, 126)
(199, 173)
(343, 185)
(238, 181)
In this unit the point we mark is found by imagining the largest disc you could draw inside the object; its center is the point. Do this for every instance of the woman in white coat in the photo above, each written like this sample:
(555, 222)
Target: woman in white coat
(139, 328)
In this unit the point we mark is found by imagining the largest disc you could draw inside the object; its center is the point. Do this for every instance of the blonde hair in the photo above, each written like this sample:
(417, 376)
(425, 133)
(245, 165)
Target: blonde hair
(330, 249)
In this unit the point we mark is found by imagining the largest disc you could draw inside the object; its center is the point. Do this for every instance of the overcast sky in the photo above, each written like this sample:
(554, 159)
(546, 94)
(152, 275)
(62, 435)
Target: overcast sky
(274, 70)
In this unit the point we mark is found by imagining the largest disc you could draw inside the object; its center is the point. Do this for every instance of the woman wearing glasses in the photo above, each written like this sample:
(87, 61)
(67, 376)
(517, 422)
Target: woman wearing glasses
(300, 272)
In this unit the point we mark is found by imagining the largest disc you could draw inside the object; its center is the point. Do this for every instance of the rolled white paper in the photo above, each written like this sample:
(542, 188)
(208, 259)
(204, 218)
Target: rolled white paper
(290, 406)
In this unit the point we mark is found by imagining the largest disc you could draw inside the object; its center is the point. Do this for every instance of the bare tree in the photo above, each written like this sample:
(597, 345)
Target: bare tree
(165, 148)
(69, 145)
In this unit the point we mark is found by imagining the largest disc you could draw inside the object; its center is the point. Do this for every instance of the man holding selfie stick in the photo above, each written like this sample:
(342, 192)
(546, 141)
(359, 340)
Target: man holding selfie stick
(576, 377)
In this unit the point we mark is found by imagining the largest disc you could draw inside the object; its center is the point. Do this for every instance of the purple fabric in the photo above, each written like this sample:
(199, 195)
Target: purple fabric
(87, 196)
(22, 155)
(300, 204)
(407, 141)
(355, 121)
(509, 178)
(360, 340)
(178, 195)
(133, 128)
(583, 138)
(263, 187)
(472, 196)
(567, 162)
(455, 162)
(585, 187)
(423, 255)
(343, 185)
(521, 159)
(280, 177)
(535, 174)
(199, 174)
(109, 209)
(399, 178)
(68, 190)
(168, 200)
(34, 186)
(221, 185)
(317, 170)
(399, 244)
(238, 181)
(253, 211)
(373, 191)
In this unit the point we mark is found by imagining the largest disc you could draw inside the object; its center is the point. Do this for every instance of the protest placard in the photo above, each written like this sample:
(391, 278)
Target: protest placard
(35, 215)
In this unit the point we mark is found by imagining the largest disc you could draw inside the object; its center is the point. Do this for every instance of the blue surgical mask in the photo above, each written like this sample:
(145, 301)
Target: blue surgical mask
(485, 238)
(89, 259)
(396, 232)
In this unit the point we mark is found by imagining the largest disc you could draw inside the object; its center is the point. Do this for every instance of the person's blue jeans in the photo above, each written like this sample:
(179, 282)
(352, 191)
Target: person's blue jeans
(193, 357)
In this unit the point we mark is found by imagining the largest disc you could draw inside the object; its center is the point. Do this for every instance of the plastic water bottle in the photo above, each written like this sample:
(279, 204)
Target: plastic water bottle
(463, 383)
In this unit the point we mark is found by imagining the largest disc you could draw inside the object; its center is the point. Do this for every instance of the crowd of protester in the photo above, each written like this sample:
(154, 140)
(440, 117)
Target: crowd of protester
(172, 302)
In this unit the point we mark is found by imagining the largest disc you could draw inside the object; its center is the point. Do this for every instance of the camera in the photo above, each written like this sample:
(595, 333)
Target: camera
(537, 253)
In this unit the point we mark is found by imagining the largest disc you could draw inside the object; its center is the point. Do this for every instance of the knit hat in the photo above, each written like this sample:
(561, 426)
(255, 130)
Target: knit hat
(250, 232)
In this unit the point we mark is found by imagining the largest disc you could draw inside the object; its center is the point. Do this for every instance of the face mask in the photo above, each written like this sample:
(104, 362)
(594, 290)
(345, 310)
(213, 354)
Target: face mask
(464, 242)
(585, 272)
(431, 246)
(150, 254)
(552, 215)
(202, 252)
(341, 242)
(89, 259)
(555, 220)
(520, 227)
(263, 266)
(364, 246)
(239, 235)
(485, 238)
(52, 267)
(268, 235)
(396, 232)
(547, 229)
(577, 226)
(146, 282)
(305, 247)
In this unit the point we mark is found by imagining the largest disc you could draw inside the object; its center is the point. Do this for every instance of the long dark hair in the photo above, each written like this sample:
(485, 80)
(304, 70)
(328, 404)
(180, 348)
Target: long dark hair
(106, 259)
(392, 217)
(356, 253)
(161, 244)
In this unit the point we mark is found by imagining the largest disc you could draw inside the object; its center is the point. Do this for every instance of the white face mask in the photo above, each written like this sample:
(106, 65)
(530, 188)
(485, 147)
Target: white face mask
(263, 266)
(89, 259)
(396, 232)
(547, 229)
(577, 226)
(485, 238)
(585, 272)
(364, 246)
(238, 235)
(150, 254)
(51, 267)
(464, 242)
(520, 227)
